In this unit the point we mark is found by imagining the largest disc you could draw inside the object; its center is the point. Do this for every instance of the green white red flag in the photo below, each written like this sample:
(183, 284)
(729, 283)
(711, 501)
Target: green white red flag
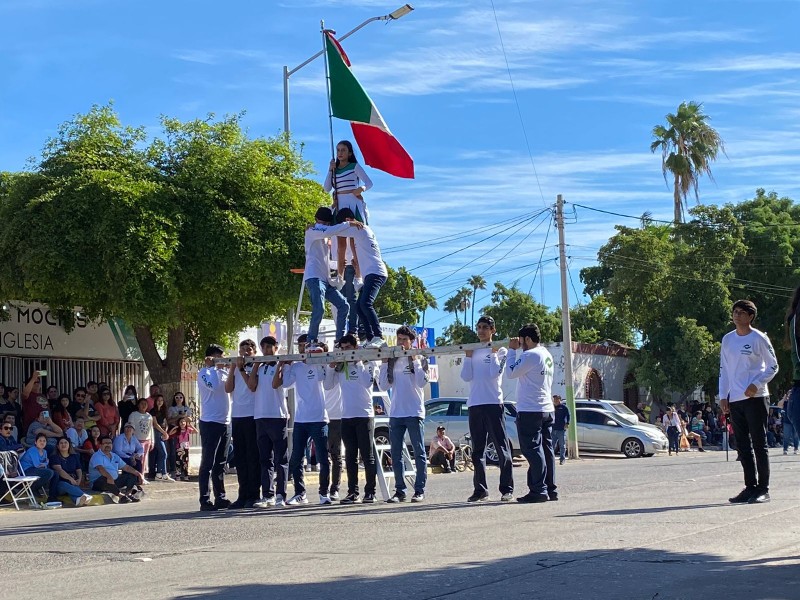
(350, 102)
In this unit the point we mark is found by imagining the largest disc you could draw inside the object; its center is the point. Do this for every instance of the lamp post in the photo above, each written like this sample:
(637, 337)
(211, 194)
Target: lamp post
(392, 16)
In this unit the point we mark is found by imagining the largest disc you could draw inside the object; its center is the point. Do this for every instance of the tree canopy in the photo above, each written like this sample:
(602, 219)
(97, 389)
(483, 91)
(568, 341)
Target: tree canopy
(188, 236)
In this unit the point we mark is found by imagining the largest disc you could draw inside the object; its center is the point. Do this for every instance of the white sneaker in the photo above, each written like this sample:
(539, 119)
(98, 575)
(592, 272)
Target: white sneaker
(145, 482)
(307, 468)
(507, 497)
(279, 501)
(358, 283)
(82, 500)
(168, 479)
(263, 503)
(785, 453)
(297, 499)
(337, 282)
(795, 451)
(324, 499)
(376, 342)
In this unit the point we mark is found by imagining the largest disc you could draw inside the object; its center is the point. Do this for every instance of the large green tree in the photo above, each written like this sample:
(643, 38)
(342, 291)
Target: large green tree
(403, 297)
(770, 267)
(596, 321)
(688, 146)
(189, 236)
(511, 308)
(476, 282)
(667, 281)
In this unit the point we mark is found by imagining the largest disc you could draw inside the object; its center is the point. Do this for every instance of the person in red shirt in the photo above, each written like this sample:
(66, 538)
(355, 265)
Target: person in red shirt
(107, 413)
(33, 402)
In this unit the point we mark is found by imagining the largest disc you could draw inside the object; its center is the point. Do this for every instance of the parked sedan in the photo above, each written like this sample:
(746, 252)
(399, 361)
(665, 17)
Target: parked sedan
(607, 431)
(453, 414)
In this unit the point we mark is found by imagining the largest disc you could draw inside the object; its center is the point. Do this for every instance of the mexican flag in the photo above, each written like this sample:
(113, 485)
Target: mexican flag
(350, 102)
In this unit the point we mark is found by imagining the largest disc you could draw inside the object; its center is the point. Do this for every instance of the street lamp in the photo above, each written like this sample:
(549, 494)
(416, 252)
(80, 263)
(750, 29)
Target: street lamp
(392, 16)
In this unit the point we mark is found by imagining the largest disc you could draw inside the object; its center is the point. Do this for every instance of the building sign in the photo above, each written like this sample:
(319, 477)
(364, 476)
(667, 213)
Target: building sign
(35, 330)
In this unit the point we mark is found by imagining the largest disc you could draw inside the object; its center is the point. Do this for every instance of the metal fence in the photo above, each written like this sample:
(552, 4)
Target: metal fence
(68, 373)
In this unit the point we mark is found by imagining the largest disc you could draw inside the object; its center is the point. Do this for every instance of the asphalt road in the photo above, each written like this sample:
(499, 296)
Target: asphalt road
(640, 529)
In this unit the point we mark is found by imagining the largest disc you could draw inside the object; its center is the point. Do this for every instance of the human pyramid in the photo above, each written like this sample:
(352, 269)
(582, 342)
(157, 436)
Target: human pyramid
(333, 401)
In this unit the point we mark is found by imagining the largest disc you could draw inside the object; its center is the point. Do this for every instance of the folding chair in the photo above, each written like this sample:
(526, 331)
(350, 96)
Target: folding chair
(18, 484)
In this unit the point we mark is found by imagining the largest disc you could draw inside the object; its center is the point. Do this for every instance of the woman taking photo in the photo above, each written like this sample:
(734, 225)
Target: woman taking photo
(128, 403)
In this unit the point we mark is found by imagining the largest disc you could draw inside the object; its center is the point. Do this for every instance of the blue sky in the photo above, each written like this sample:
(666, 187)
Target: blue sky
(592, 79)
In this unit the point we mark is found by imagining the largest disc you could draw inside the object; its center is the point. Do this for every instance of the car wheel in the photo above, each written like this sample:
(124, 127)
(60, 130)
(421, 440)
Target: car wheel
(491, 454)
(632, 448)
(382, 439)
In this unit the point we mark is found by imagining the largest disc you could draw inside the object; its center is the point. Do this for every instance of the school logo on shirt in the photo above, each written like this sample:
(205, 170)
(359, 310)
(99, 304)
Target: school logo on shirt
(207, 381)
(747, 350)
(310, 374)
(548, 366)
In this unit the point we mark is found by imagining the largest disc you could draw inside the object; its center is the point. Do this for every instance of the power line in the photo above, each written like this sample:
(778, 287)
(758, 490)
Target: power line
(454, 236)
(430, 262)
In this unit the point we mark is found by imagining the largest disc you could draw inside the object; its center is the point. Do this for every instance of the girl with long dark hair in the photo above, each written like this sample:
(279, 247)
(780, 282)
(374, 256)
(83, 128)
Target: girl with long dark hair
(349, 181)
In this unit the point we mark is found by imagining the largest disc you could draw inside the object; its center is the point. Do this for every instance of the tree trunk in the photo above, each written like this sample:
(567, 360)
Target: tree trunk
(474, 295)
(165, 372)
(677, 201)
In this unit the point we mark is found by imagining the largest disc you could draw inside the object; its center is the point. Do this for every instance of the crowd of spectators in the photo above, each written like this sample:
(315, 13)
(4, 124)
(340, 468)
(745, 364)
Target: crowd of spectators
(701, 424)
(85, 441)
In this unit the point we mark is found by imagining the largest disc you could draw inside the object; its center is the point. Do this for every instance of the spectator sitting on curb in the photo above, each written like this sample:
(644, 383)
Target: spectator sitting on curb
(44, 425)
(692, 435)
(109, 473)
(443, 451)
(34, 463)
(91, 445)
(68, 475)
(129, 448)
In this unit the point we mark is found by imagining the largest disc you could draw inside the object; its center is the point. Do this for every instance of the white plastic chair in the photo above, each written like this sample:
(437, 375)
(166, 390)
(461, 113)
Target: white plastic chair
(17, 484)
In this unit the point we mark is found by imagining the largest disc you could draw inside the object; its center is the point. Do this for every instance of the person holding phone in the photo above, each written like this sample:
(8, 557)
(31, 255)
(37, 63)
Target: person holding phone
(44, 425)
(33, 401)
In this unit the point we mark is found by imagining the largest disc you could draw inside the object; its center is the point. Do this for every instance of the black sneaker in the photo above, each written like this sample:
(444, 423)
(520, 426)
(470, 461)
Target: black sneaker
(124, 499)
(700, 450)
(369, 499)
(222, 504)
(478, 497)
(240, 503)
(418, 497)
(552, 496)
(249, 503)
(744, 496)
(133, 498)
(207, 507)
(532, 498)
(349, 499)
(759, 497)
(398, 497)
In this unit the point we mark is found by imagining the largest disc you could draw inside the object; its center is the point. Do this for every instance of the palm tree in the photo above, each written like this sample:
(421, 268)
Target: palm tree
(430, 302)
(464, 295)
(477, 283)
(453, 305)
(688, 145)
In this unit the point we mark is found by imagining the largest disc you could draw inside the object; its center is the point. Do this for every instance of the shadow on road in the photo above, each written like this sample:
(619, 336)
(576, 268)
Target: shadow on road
(640, 574)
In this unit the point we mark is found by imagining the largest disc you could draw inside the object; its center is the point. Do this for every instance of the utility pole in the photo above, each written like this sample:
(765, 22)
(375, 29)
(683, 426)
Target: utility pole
(567, 331)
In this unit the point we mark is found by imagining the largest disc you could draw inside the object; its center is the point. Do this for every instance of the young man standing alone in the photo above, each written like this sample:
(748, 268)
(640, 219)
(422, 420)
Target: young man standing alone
(483, 369)
(560, 425)
(533, 367)
(747, 365)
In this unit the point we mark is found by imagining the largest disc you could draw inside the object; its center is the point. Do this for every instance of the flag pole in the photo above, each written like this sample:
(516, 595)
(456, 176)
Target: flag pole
(330, 109)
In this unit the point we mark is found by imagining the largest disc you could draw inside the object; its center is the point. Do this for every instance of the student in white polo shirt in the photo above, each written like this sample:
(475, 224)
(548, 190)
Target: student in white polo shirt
(243, 428)
(407, 377)
(310, 422)
(215, 416)
(272, 427)
(355, 382)
(483, 369)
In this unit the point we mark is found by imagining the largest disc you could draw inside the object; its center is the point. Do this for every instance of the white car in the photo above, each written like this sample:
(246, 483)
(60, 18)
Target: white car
(607, 431)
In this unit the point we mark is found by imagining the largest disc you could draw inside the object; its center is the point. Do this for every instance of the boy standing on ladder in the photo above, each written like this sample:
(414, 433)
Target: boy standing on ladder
(316, 271)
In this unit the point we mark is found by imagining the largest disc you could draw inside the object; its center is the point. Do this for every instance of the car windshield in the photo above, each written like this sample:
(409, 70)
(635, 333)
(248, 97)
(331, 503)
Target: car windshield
(622, 409)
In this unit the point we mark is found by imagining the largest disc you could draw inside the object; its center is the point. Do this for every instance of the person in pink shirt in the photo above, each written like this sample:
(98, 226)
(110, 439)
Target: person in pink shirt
(443, 451)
